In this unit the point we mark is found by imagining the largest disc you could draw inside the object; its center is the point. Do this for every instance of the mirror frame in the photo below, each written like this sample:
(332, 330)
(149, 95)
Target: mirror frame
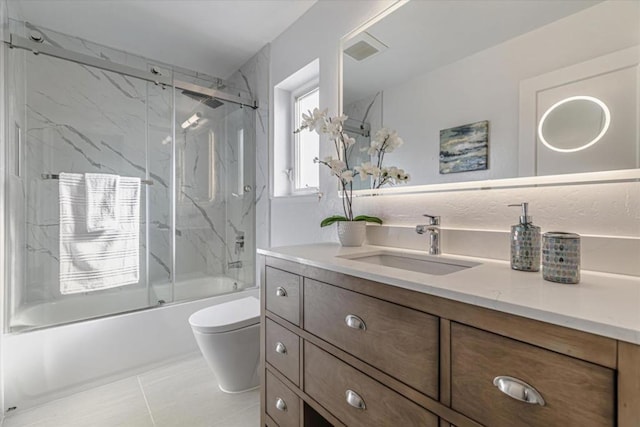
(614, 176)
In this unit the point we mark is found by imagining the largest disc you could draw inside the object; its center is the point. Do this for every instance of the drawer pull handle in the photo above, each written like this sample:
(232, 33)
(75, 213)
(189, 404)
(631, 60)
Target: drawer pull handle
(518, 390)
(281, 292)
(355, 322)
(355, 400)
(281, 405)
(280, 348)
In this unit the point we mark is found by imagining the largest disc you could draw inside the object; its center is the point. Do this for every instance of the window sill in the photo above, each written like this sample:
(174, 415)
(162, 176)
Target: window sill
(297, 196)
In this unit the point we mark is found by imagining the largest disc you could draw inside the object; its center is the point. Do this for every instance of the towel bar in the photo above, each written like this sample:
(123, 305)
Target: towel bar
(56, 176)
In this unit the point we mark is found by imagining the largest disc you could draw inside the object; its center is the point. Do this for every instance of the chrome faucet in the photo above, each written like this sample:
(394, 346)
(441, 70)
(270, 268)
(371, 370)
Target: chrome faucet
(433, 228)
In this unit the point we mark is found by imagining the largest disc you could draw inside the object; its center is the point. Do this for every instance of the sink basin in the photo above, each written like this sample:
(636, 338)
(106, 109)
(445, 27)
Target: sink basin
(419, 263)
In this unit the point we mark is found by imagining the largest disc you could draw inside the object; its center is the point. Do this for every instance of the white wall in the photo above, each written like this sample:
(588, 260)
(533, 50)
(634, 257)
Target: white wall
(316, 34)
(598, 210)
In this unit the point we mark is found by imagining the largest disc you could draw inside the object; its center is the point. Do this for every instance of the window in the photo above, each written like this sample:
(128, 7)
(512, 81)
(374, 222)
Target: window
(293, 171)
(306, 145)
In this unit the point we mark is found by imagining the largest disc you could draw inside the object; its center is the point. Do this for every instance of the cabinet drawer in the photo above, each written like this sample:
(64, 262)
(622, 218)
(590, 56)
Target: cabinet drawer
(397, 340)
(283, 405)
(329, 380)
(575, 393)
(283, 350)
(283, 294)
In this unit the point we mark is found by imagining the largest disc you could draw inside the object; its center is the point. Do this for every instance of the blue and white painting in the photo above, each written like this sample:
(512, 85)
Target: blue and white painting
(464, 148)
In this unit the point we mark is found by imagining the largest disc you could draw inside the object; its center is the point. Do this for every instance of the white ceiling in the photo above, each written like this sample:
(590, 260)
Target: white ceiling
(215, 37)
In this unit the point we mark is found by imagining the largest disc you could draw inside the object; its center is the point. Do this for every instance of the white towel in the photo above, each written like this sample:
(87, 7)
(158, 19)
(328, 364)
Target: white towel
(102, 201)
(100, 260)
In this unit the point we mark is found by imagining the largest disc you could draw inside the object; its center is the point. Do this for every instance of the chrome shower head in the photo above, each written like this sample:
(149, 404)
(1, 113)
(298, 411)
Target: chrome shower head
(204, 99)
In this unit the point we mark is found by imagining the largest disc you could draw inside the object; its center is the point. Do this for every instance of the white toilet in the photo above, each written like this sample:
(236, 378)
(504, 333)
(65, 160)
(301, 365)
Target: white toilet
(228, 335)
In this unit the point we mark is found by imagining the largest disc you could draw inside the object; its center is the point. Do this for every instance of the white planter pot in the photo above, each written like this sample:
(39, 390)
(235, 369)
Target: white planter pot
(352, 233)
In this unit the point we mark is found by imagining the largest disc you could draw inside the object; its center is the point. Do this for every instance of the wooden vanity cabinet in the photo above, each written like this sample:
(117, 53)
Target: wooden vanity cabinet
(283, 350)
(283, 405)
(575, 393)
(397, 340)
(283, 294)
(336, 385)
(344, 351)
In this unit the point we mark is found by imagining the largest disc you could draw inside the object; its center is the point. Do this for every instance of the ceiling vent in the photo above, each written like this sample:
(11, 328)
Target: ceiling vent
(364, 46)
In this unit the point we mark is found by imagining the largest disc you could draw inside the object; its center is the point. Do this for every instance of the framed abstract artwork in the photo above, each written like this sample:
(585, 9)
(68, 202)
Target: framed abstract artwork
(464, 148)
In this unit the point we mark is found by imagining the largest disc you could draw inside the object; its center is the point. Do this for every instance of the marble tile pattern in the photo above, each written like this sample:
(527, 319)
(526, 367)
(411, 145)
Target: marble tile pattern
(252, 77)
(82, 119)
(180, 393)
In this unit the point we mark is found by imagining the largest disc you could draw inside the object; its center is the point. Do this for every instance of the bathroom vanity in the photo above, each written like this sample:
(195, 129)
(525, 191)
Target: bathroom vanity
(350, 343)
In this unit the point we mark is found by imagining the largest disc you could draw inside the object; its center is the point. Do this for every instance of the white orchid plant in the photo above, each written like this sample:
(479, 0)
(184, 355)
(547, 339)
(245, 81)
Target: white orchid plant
(384, 141)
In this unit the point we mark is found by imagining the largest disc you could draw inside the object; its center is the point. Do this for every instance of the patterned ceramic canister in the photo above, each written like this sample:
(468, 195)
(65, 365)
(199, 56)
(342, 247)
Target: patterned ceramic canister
(561, 257)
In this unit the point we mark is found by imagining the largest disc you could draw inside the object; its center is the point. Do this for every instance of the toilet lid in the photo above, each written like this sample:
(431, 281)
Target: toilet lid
(227, 316)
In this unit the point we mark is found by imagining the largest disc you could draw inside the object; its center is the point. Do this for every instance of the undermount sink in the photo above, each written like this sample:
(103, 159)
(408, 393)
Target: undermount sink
(413, 262)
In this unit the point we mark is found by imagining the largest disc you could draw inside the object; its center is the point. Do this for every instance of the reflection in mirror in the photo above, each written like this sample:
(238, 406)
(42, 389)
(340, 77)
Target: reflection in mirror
(574, 124)
(436, 65)
(205, 166)
(194, 146)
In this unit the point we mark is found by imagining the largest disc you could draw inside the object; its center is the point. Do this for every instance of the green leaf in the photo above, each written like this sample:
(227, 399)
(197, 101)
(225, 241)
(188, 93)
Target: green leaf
(368, 219)
(330, 220)
(335, 218)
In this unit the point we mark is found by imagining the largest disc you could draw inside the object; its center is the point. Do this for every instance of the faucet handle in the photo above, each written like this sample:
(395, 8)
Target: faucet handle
(433, 219)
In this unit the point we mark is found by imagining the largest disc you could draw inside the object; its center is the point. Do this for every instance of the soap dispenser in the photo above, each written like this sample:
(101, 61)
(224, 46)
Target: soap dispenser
(525, 242)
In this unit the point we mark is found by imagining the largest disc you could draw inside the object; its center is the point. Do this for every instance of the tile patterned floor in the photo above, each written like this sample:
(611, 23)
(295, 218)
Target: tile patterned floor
(181, 394)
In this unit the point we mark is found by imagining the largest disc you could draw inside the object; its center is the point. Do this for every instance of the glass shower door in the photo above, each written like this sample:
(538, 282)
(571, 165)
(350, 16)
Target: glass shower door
(76, 118)
(215, 212)
(241, 207)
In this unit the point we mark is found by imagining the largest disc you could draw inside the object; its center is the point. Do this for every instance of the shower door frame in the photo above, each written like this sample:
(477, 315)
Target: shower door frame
(16, 41)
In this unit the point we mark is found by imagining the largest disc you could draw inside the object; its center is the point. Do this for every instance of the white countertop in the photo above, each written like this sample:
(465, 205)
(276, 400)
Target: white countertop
(602, 303)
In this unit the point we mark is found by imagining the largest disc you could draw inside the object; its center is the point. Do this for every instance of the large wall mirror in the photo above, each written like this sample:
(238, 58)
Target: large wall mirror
(492, 89)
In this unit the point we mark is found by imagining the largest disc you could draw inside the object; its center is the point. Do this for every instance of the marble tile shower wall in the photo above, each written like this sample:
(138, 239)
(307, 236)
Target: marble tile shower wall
(80, 119)
(252, 77)
(207, 224)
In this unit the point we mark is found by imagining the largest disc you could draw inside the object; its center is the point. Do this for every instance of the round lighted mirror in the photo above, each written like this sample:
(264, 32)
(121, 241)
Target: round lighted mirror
(574, 124)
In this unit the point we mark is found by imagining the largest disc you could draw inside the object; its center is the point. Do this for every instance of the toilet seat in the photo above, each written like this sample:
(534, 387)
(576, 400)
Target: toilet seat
(226, 317)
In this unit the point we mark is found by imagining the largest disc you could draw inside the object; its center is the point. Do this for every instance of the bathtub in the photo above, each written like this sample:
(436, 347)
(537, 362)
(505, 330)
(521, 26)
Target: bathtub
(45, 364)
(119, 300)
